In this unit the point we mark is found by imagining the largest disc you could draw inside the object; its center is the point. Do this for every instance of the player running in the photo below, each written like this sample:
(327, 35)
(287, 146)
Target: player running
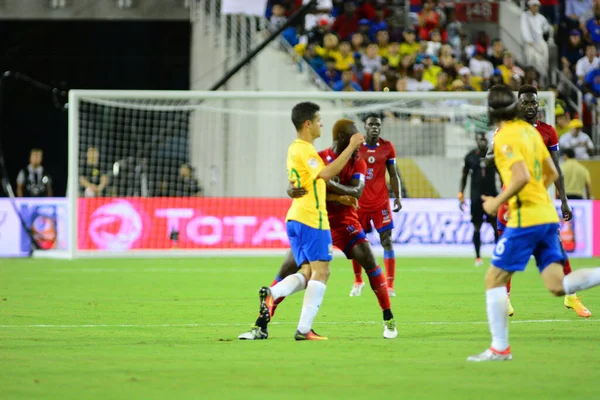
(306, 221)
(346, 231)
(527, 170)
(380, 157)
(527, 108)
(483, 182)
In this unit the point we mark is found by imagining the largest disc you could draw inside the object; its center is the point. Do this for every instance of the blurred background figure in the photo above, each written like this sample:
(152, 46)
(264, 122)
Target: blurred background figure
(92, 179)
(33, 181)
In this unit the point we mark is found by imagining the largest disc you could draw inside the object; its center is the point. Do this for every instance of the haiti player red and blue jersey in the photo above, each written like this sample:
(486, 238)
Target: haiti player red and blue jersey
(346, 231)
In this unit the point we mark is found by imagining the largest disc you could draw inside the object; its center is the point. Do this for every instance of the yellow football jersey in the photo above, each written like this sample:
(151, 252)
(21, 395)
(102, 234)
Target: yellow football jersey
(519, 141)
(304, 165)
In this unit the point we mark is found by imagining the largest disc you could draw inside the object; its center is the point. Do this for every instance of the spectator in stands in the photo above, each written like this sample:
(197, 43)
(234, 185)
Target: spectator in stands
(393, 55)
(466, 49)
(534, 28)
(586, 64)
(378, 23)
(371, 60)
(578, 141)
(431, 71)
(387, 79)
(549, 9)
(422, 52)
(33, 181)
(346, 83)
(592, 82)
(429, 19)
(346, 23)
(447, 61)
(458, 86)
(313, 59)
(383, 40)
(578, 12)
(367, 10)
(532, 77)
(479, 66)
(406, 64)
(435, 43)
(454, 31)
(497, 52)
(364, 28)
(92, 180)
(359, 71)
(516, 81)
(578, 182)
(470, 82)
(482, 40)
(442, 82)
(562, 120)
(410, 45)
(592, 27)
(277, 19)
(571, 53)
(357, 42)
(344, 58)
(508, 67)
(330, 75)
(418, 84)
(330, 46)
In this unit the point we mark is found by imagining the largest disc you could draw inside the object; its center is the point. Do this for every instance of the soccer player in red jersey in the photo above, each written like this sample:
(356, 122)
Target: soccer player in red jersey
(347, 234)
(527, 107)
(374, 204)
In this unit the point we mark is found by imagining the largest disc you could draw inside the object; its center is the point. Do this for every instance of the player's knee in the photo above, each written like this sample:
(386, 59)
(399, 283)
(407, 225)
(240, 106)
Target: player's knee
(556, 288)
(320, 271)
(386, 242)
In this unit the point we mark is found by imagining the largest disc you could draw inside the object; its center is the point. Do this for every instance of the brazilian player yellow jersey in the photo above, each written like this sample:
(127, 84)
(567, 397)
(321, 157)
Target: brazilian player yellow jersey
(304, 165)
(519, 141)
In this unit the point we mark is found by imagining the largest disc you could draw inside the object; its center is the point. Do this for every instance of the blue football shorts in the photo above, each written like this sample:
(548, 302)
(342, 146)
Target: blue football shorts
(517, 245)
(309, 244)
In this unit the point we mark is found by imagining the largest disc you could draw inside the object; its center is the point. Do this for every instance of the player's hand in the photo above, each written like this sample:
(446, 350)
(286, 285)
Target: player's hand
(397, 205)
(295, 192)
(356, 140)
(490, 205)
(567, 213)
(348, 201)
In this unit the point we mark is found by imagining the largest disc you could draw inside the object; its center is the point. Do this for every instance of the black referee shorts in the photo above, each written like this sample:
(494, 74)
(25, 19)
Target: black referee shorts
(478, 216)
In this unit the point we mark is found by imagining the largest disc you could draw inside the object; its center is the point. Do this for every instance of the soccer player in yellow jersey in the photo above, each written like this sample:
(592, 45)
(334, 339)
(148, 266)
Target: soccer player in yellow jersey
(527, 170)
(306, 221)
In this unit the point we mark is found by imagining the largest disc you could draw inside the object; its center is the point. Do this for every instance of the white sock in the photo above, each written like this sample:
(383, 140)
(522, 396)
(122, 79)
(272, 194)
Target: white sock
(497, 312)
(315, 291)
(581, 279)
(290, 285)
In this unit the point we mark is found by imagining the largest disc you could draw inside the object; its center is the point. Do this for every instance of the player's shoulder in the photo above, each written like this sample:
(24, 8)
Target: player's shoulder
(385, 143)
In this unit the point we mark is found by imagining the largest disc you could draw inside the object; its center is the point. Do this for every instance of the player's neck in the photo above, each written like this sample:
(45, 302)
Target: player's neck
(531, 122)
(371, 141)
(306, 136)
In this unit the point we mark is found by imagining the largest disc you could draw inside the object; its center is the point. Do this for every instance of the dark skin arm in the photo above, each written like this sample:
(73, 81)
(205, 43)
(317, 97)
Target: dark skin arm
(355, 189)
(560, 185)
(395, 182)
(489, 157)
(296, 192)
(463, 185)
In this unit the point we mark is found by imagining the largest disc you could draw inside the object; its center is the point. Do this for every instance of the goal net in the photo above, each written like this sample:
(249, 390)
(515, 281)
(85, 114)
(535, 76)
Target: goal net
(203, 173)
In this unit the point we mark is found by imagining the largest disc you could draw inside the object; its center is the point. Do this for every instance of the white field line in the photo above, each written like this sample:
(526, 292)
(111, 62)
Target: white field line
(74, 326)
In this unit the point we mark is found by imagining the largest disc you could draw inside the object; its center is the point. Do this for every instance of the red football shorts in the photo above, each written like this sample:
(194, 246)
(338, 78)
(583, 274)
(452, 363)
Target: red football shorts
(347, 235)
(382, 219)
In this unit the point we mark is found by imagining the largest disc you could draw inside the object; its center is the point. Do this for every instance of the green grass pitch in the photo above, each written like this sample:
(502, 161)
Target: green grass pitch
(145, 329)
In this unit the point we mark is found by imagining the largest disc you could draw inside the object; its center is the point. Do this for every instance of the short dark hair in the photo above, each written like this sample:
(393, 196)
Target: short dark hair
(527, 89)
(372, 115)
(36, 150)
(496, 40)
(501, 104)
(570, 153)
(303, 112)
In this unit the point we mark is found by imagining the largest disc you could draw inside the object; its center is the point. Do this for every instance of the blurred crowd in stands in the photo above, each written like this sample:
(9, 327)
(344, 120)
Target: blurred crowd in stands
(365, 45)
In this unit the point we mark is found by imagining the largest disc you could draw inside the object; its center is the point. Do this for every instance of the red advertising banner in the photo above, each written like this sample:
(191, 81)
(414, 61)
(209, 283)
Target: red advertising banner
(476, 12)
(186, 223)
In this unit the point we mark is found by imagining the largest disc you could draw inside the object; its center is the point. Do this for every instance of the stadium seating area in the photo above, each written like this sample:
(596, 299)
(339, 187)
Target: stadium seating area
(364, 45)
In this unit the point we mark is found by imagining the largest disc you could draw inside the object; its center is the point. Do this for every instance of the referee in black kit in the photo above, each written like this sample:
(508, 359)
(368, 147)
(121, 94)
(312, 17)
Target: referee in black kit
(483, 183)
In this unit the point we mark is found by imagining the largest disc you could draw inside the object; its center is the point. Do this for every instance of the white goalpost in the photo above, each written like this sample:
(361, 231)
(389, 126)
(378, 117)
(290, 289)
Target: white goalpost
(185, 173)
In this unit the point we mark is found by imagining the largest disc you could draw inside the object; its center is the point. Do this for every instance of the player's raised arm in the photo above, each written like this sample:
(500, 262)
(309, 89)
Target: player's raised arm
(338, 164)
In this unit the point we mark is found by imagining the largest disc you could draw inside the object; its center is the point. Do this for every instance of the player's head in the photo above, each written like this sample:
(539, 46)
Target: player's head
(528, 103)
(502, 104)
(342, 131)
(92, 155)
(373, 126)
(568, 153)
(481, 140)
(35, 157)
(306, 117)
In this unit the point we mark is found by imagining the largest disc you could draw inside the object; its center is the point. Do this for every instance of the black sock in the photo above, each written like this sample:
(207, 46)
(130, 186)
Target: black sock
(477, 242)
(261, 323)
(387, 314)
